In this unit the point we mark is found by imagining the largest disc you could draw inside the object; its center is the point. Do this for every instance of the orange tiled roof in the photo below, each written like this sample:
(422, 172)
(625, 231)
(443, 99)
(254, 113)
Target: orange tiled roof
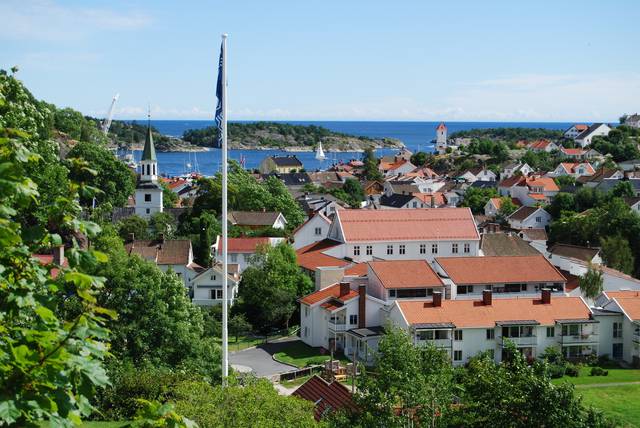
(546, 183)
(311, 257)
(472, 313)
(538, 196)
(539, 144)
(333, 291)
(499, 269)
(622, 293)
(630, 306)
(358, 269)
(425, 198)
(327, 397)
(573, 152)
(581, 127)
(244, 245)
(407, 224)
(405, 274)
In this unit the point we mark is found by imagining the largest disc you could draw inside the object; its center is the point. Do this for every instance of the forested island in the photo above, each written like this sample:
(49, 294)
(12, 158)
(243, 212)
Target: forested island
(509, 135)
(274, 135)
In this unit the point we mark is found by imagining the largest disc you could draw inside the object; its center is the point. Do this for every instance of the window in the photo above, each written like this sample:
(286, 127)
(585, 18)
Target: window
(538, 219)
(491, 334)
(408, 293)
(369, 250)
(356, 250)
(415, 204)
(246, 257)
(423, 249)
(147, 197)
(551, 331)
(306, 311)
(148, 169)
(213, 277)
(571, 330)
(464, 289)
(389, 250)
(216, 293)
(318, 231)
(353, 319)
(457, 355)
(148, 210)
(434, 248)
(454, 248)
(467, 248)
(306, 331)
(457, 334)
(234, 258)
(617, 330)
(433, 335)
(401, 249)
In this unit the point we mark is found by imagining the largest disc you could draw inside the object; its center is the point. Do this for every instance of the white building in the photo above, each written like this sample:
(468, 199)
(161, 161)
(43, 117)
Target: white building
(404, 234)
(633, 121)
(441, 138)
(206, 286)
(402, 279)
(465, 328)
(313, 230)
(148, 196)
(241, 250)
(529, 218)
(574, 169)
(257, 219)
(597, 129)
(575, 130)
(511, 169)
(478, 174)
(620, 325)
(174, 254)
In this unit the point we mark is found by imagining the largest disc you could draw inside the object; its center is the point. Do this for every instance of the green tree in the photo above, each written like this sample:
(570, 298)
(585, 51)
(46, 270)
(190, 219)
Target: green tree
(70, 122)
(411, 385)
(169, 197)
(370, 168)
(163, 224)
(591, 283)
(135, 225)
(623, 189)
(256, 403)
(565, 180)
(270, 286)
(353, 188)
(476, 198)
(562, 202)
(507, 207)
(238, 325)
(515, 394)
(420, 158)
(51, 362)
(617, 253)
(111, 176)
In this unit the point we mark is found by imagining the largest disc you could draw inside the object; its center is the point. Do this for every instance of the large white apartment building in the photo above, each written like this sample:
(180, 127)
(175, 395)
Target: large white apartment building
(404, 234)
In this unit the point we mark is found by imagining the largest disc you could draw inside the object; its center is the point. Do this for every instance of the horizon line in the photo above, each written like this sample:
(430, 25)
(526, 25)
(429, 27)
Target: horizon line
(374, 120)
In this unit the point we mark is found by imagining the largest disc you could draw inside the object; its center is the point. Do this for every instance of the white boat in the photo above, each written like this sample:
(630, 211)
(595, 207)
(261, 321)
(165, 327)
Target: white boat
(320, 153)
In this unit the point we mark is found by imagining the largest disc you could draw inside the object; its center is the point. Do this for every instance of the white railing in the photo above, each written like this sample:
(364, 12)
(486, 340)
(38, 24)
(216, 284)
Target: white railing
(337, 326)
(438, 343)
(521, 341)
(579, 338)
(206, 302)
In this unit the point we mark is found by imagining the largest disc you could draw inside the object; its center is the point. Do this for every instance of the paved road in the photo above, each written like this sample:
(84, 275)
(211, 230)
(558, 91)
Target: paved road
(260, 358)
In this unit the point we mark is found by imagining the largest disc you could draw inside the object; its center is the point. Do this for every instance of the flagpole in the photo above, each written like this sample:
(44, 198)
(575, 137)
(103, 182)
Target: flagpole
(225, 297)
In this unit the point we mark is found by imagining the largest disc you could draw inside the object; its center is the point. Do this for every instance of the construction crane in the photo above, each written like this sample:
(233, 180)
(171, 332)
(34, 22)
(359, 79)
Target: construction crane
(106, 124)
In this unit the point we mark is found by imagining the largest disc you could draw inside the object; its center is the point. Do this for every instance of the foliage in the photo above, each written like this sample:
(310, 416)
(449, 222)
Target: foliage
(238, 325)
(354, 190)
(591, 283)
(514, 394)
(162, 224)
(476, 198)
(255, 403)
(270, 286)
(112, 177)
(410, 384)
(540, 160)
(370, 167)
(598, 371)
(617, 254)
(135, 225)
(509, 135)
(621, 143)
(421, 158)
(126, 133)
(497, 150)
(562, 202)
(247, 194)
(565, 180)
(154, 414)
(50, 363)
(157, 322)
(169, 197)
(507, 207)
(623, 189)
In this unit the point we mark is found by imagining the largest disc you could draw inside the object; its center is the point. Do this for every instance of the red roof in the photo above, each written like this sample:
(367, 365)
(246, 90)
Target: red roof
(500, 269)
(358, 269)
(311, 257)
(407, 224)
(326, 396)
(630, 306)
(573, 152)
(546, 183)
(539, 144)
(622, 293)
(514, 180)
(243, 245)
(333, 291)
(441, 127)
(47, 259)
(473, 313)
(581, 127)
(405, 274)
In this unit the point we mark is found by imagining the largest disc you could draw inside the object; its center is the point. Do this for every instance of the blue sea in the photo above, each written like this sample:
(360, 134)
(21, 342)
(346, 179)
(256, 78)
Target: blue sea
(415, 135)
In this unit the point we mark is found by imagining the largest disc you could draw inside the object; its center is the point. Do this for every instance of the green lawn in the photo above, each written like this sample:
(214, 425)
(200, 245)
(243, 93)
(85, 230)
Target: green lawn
(302, 355)
(617, 402)
(615, 375)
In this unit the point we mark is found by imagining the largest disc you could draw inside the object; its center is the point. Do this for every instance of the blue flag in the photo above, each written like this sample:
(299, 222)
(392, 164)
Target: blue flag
(220, 100)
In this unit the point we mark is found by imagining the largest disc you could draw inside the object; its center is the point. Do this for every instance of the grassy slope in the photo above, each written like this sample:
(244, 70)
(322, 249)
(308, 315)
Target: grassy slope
(302, 355)
(618, 402)
(615, 375)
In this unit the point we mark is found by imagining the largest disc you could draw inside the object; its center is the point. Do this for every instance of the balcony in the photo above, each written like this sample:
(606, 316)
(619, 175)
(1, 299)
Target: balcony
(579, 338)
(636, 336)
(438, 343)
(521, 341)
(338, 325)
(206, 302)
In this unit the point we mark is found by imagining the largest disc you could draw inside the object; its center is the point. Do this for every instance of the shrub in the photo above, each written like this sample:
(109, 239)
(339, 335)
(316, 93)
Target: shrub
(572, 370)
(556, 371)
(598, 371)
(592, 360)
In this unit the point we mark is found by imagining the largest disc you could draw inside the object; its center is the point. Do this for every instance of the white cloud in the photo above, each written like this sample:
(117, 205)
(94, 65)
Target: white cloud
(45, 20)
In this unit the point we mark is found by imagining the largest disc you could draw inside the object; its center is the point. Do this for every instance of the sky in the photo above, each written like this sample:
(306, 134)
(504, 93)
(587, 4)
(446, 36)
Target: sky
(419, 60)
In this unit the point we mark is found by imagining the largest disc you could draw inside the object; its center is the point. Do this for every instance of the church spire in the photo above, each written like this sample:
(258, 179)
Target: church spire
(149, 152)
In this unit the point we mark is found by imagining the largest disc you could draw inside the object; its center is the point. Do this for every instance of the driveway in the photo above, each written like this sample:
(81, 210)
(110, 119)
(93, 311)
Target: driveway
(260, 360)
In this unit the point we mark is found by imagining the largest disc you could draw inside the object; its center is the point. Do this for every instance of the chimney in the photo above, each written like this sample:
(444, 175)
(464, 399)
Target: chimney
(433, 201)
(362, 306)
(546, 296)
(326, 276)
(344, 289)
(437, 299)
(58, 255)
(486, 297)
(132, 237)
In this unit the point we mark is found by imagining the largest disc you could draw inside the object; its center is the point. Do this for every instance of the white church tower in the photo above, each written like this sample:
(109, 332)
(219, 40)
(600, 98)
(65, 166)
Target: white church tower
(148, 192)
(441, 138)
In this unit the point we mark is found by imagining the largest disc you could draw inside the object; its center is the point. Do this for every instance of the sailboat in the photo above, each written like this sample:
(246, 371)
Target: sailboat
(320, 153)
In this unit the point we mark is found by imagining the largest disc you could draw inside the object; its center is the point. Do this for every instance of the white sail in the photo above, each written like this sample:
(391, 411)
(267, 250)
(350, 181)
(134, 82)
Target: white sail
(319, 152)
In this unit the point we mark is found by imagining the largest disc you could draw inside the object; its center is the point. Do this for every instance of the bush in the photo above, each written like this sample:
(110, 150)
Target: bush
(592, 360)
(556, 371)
(598, 371)
(572, 370)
